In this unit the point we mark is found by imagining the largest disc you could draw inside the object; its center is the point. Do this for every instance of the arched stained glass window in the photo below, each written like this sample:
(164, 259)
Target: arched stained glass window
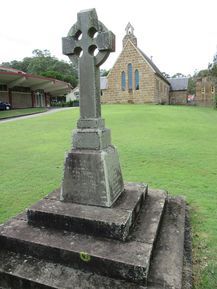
(123, 80)
(136, 79)
(130, 76)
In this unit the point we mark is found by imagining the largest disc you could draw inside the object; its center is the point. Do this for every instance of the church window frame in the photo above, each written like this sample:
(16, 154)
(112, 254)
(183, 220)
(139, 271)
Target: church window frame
(158, 85)
(123, 81)
(137, 79)
(130, 76)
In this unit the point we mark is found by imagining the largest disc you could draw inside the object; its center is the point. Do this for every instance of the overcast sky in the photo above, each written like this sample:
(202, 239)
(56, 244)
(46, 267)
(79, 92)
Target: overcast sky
(181, 36)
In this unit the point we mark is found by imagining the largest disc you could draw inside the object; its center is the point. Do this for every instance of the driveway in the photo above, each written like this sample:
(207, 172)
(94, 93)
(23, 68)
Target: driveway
(36, 115)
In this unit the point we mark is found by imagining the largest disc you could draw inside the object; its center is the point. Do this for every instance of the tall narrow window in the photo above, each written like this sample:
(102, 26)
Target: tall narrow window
(130, 76)
(136, 79)
(123, 80)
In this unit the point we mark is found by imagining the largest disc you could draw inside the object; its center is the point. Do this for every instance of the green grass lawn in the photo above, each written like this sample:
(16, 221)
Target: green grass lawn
(169, 147)
(18, 112)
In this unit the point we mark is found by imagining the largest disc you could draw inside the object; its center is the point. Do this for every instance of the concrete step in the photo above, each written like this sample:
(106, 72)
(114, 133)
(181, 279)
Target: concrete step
(18, 271)
(128, 260)
(114, 222)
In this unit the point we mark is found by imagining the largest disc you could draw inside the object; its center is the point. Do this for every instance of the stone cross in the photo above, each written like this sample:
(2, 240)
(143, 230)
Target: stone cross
(89, 42)
(92, 173)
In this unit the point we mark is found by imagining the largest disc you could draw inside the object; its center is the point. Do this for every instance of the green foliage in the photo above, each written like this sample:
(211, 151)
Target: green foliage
(215, 101)
(71, 103)
(178, 75)
(210, 71)
(192, 85)
(166, 75)
(44, 64)
(214, 70)
(104, 72)
(203, 73)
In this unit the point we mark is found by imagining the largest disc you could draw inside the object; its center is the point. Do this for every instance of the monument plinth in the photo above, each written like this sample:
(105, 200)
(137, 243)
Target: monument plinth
(92, 173)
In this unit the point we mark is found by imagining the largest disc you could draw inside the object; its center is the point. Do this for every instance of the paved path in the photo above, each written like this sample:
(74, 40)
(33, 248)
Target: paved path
(35, 115)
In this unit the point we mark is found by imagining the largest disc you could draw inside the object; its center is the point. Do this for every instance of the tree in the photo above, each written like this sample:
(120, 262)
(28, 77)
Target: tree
(203, 73)
(44, 64)
(104, 72)
(178, 75)
(214, 70)
(192, 85)
(166, 75)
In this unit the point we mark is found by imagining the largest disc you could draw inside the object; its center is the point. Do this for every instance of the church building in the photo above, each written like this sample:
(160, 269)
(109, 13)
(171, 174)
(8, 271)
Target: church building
(134, 77)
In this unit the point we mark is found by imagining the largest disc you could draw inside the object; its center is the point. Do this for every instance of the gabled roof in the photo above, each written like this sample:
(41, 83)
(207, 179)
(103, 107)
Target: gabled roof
(178, 83)
(154, 67)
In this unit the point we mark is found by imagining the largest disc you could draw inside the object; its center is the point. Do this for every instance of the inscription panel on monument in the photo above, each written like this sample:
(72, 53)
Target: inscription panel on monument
(85, 175)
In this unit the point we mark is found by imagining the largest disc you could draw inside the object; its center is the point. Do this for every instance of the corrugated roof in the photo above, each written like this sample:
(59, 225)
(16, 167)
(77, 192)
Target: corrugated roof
(178, 83)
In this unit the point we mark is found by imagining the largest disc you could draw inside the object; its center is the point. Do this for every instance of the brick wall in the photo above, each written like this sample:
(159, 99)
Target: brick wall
(21, 99)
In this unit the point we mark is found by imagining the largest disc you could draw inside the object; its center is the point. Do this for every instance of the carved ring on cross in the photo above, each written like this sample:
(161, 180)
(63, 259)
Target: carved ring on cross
(87, 35)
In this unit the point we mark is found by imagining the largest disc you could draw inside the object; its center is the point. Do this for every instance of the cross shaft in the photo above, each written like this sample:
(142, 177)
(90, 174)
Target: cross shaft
(80, 45)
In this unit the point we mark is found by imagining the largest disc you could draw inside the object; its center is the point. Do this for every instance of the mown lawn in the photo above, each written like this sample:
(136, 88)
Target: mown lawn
(18, 112)
(169, 147)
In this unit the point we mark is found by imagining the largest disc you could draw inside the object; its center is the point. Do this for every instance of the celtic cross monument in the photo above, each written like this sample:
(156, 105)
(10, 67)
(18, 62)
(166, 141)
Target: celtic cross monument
(92, 173)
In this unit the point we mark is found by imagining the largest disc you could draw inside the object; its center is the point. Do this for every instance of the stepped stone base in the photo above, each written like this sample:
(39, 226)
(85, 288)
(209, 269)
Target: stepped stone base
(150, 257)
(114, 222)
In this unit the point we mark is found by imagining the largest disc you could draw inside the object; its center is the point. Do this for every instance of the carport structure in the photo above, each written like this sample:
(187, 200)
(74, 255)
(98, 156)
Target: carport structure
(24, 90)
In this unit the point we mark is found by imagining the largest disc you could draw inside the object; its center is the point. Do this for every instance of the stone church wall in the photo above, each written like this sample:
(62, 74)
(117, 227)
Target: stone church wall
(161, 91)
(146, 92)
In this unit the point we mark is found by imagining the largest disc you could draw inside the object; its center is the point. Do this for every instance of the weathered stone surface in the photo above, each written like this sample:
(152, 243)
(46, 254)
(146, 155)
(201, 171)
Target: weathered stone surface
(112, 222)
(92, 177)
(86, 26)
(148, 222)
(167, 263)
(129, 260)
(97, 139)
(18, 271)
(91, 123)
